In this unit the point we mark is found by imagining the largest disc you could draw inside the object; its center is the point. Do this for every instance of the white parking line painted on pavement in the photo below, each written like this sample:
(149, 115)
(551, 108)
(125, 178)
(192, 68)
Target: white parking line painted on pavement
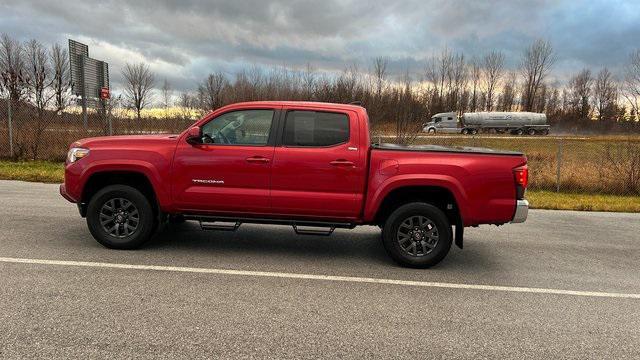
(352, 279)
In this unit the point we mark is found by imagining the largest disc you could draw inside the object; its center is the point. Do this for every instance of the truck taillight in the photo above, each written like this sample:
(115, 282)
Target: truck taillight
(521, 176)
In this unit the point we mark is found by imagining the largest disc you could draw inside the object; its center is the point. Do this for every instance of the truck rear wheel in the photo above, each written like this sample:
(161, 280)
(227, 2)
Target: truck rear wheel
(519, 132)
(531, 132)
(120, 217)
(417, 235)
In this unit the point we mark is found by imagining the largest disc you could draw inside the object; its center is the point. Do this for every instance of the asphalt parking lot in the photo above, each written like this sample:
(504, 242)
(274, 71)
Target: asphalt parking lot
(562, 285)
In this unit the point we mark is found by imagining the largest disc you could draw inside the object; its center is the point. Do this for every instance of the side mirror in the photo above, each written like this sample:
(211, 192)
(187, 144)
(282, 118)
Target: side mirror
(194, 135)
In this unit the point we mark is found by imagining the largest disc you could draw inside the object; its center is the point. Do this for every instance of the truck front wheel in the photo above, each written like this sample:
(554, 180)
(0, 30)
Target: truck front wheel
(417, 235)
(120, 217)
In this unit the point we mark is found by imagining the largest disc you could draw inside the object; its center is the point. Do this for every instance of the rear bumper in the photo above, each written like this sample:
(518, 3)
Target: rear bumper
(522, 210)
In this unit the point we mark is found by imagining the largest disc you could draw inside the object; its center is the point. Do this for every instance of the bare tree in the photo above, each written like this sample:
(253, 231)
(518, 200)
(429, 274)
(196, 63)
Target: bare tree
(475, 73)
(380, 74)
(536, 63)
(553, 105)
(166, 93)
(39, 80)
(605, 95)
(212, 88)
(309, 81)
(457, 81)
(61, 76)
(508, 97)
(492, 69)
(409, 112)
(12, 69)
(438, 74)
(631, 84)
(580, 90)
(139, 82)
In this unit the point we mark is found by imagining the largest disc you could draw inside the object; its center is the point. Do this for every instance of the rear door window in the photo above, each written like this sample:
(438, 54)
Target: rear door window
(315, 129)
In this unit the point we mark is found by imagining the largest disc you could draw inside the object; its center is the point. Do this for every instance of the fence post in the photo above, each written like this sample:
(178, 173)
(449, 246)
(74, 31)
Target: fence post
(110, 123)
(10, 127)
(558, 164)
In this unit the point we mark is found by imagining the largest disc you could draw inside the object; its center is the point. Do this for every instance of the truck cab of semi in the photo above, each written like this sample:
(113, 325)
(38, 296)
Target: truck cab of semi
(443, 123)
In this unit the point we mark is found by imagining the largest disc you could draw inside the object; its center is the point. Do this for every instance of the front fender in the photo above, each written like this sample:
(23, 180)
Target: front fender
(150, 171)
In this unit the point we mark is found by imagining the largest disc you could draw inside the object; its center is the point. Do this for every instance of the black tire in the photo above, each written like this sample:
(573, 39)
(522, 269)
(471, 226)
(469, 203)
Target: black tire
(519, 132)
(465, 131)
(474, 131)
(431, 131)
(531, 132)
(423, 257)
(133, 227)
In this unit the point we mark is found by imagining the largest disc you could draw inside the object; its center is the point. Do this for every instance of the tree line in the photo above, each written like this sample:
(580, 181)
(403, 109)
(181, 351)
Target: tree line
(450, 81)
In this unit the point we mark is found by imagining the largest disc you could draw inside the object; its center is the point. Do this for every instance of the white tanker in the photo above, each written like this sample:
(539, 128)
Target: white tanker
(517, 123)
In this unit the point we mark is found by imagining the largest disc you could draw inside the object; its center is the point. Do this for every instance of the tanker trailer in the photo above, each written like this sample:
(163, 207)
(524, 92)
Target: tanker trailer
(516, 123)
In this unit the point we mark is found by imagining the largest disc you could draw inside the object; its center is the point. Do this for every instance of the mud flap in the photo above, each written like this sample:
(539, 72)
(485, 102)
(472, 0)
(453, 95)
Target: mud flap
(459, 234)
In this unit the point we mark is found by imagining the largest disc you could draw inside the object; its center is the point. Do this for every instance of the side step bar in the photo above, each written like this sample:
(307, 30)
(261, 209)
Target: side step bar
(223, 227)
(301, 227)
(313, 231)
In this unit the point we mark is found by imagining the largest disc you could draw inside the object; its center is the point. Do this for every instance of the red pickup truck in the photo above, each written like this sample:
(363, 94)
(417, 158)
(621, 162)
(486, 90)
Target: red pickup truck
(308, 165)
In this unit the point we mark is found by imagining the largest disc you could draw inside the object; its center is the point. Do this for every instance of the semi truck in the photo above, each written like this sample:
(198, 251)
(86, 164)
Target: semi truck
(516, 123)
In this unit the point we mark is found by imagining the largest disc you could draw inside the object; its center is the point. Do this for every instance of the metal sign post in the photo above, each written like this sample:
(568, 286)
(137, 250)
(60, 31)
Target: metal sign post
(105, 95)
(88, 77)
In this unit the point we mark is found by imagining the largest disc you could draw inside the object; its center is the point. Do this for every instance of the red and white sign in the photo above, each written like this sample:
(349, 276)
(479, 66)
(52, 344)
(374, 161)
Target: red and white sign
(105, 93)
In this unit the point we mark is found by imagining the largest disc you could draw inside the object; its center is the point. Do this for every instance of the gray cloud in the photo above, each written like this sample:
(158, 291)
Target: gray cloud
(185, 40)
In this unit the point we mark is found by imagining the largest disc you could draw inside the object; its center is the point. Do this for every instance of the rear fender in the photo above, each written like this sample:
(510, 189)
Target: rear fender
(447, 182)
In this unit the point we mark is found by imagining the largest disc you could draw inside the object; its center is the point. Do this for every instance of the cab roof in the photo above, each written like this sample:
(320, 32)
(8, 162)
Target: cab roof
(325, 105)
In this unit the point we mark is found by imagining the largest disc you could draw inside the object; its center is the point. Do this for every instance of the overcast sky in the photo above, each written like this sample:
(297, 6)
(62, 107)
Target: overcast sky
(183, 40)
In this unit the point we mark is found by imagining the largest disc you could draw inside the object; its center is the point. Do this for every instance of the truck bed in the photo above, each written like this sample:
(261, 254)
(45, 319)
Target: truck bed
(439, 148)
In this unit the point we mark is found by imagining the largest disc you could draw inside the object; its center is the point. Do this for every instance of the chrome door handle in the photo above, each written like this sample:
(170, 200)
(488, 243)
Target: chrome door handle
(342, 162)
(257, 159)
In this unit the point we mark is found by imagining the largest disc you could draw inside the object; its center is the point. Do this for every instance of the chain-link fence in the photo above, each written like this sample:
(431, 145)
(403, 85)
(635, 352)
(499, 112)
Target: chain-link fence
(581, 164)
(26, 134)
(589, 164)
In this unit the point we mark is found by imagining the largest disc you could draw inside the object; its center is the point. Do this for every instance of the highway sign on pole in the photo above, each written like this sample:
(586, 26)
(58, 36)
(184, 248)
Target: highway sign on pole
(88, 77)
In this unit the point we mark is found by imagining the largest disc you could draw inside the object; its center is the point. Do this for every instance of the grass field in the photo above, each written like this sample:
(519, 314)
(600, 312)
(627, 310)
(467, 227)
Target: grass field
(53, 172)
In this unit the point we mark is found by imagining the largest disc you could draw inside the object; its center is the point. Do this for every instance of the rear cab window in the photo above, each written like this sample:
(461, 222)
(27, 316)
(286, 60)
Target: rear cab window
(305, 128)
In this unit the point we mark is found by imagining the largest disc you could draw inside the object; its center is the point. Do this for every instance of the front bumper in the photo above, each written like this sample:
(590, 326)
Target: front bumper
(63, 192)
(522, 210)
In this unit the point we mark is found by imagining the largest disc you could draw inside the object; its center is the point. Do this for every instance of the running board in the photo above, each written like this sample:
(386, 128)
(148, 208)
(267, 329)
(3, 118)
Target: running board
(211, 225)
(313, 231)
(299, 226)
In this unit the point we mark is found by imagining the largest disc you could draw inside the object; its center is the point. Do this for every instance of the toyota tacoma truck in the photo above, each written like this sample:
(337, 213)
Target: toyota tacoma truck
(308, 165)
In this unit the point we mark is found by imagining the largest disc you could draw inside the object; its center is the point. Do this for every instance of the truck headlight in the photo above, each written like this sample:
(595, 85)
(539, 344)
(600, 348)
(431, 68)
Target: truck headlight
(76, 154)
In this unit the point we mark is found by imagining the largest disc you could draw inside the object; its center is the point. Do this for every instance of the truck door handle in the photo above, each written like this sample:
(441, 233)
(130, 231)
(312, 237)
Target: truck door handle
(257, 159)
(342, 162)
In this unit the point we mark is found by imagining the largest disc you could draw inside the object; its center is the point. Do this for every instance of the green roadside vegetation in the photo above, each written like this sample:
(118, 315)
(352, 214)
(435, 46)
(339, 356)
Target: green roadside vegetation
(53, 172)
(541, 199)
(39, 171)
